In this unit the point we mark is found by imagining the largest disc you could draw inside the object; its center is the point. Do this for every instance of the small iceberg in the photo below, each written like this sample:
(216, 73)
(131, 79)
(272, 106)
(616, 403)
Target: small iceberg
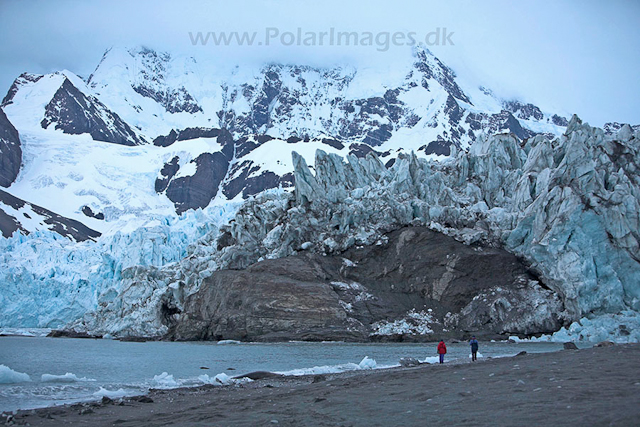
(66, 378)
(9, 376)
(227, 342)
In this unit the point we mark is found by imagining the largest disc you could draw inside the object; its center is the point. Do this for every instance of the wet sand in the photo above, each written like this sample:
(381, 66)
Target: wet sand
(589, 387)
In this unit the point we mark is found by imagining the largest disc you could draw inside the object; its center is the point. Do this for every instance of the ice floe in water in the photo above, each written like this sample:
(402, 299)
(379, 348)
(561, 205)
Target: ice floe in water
(227, 342)
(66, 378)
(9, 376)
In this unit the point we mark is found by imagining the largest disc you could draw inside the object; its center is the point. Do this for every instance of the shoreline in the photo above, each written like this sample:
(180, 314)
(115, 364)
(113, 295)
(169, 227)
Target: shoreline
(595, 386)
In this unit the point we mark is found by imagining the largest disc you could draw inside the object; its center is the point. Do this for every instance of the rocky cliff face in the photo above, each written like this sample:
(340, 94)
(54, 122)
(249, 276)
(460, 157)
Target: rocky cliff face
(14, 211)
(413, 287)
(73, 112)
(10, 151)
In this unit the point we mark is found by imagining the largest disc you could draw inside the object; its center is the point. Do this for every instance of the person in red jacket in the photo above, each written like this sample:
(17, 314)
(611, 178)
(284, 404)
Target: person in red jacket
(442, 350)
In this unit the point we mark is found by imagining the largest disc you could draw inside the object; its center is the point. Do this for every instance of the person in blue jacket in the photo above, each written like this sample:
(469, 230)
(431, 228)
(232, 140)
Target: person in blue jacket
(474, 348)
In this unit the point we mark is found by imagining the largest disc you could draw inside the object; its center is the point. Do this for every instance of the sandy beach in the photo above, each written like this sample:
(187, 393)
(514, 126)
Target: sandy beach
(594, 387)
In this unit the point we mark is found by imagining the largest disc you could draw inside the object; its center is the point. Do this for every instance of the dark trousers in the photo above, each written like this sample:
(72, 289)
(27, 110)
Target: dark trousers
(441, 358)
(474, 355)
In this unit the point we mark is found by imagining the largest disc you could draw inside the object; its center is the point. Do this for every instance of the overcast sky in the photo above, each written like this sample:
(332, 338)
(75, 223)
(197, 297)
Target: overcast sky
(566, 56)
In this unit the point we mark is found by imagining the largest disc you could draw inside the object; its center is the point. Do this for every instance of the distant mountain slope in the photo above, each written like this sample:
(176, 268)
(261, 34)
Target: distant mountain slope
(10, 151)
(16, 214)
(222, 132)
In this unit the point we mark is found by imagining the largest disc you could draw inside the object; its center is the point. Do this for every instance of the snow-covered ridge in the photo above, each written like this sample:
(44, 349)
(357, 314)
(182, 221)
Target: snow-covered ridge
(250, 119)
(155, 92)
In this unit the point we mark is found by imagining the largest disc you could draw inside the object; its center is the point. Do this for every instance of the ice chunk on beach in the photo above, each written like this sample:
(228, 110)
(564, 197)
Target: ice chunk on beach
(477, 354)
(111, 394)
(320, 370)
(219, 379)
(9, 376)
(165, 380)
(222, 379)
(431, 359)
(367, 363)
(66, 378)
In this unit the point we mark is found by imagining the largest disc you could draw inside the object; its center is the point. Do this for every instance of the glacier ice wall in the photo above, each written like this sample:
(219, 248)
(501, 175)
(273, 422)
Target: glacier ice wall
(569, 207)
(47, 280)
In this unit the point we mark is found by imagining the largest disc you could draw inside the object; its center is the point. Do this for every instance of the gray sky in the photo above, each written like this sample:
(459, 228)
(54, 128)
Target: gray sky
(565, 56)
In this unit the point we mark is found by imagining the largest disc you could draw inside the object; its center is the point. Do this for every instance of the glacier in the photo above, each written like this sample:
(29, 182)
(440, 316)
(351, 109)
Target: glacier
(568, 206)
(48, 280)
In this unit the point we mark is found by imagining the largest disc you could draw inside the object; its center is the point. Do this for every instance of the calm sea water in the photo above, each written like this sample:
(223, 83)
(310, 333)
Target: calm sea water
(129, 368)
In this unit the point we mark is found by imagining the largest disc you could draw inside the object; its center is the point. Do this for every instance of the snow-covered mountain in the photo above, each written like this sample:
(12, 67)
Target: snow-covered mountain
(152, 155)
(225, 132)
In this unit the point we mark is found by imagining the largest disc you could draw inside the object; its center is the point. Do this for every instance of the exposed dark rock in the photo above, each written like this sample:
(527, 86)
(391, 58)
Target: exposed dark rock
(569, 346)
(10, 151)
(75, 113)
(361, 150)
(174, 101)
(524, 111)
(196, 191)
(89, 212)
(439, 147)
(333, 143)
(613, 127)
(66, 333)
(314, 297)
(258, 375)
(193, 133)
(453, 110)
(151, 84)
(64, 226)
(167, 140)
(248, 186)
(378, 136)
(263, 138)
(167, 172)
(409, 362)
(559, 121)
(24, 78)
(441, 73)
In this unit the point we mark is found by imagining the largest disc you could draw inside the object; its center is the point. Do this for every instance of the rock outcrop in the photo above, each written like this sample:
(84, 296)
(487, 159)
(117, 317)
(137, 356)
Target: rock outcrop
(13, 211)
(10, 151)
(74, 113)
(418, 275)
